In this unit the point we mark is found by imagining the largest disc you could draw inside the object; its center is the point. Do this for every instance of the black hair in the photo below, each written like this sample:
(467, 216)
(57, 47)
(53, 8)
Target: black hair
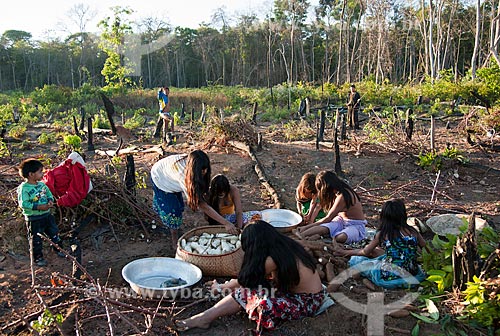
(328, 184)
(218, 185)
(197, 182)
(261, 240)
(393, 219)
(29, 166)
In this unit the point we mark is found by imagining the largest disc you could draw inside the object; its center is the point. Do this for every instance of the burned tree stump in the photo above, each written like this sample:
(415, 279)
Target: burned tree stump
(465, 256)
(159, 127)
(75, 126)
(90, 144)
(317, 135)
(254, 113)
(433, 132)
(338, 168)
(82, 118)
(183, 110)
(322, 118)
(15, 114)
(192, 119)
(409, 124)
(130, 182)
(343, 127)
(110, 111)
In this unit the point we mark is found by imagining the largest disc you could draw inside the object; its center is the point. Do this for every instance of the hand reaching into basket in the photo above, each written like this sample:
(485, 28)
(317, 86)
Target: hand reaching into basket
(217, 288)
(232, 229)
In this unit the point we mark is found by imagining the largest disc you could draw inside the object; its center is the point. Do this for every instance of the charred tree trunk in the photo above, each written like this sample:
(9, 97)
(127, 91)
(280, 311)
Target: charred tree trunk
(254, 113)
(130, 182)
(203, 112)
(409, 124)
(192, 119)
(338, 168)
(90, 140)
(110, 111)
(183, 110)
(76, 252)
(433, 127)
(159, 127)
(317, 135)
(465, 257)
(75, 126)
(259, 141)
(82, 118)
(15, 114)
(321, 125)
(343, 128)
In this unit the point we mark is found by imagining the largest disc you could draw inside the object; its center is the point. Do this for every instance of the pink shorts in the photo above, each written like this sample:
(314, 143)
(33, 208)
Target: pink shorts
(353, 228)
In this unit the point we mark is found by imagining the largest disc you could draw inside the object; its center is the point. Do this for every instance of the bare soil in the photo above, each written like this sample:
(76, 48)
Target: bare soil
(377, 172)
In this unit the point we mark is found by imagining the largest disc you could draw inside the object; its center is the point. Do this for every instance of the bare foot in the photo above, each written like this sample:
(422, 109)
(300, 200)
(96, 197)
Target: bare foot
(196, 321)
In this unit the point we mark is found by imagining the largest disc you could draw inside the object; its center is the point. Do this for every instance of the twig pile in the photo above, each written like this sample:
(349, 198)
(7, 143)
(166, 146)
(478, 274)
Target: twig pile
(231, 129)
(87, 299)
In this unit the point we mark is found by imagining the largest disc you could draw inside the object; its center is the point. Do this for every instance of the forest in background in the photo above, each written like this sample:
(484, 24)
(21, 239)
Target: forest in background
(348, 41)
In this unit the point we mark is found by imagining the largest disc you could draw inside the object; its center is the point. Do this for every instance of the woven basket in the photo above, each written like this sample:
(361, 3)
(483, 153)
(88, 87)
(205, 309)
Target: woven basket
(223, 265)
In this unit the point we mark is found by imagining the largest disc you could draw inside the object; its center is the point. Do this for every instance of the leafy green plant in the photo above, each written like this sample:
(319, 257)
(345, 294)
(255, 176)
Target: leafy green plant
(17, 132)
(46, 138)
(433, 161)
(100, 121)
(430, 161)
(4, 149)
(454, 154)
(483, 300)
(45, 322)
(136, 121)
(436, 260)
(73, 142)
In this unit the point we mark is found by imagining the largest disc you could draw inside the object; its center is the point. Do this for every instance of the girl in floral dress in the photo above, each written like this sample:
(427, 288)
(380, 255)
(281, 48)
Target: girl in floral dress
(396, 265)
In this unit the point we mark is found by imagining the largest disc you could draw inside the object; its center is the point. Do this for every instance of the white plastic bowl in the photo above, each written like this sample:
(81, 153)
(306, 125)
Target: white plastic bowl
(282, 219)
(146, 276)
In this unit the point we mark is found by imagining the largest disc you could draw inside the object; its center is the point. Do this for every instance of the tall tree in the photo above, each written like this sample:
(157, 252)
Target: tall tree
(113, 33)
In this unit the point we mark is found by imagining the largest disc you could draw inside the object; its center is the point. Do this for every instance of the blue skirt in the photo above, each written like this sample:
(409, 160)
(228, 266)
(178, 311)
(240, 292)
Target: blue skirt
(169, 206)
(370, 268)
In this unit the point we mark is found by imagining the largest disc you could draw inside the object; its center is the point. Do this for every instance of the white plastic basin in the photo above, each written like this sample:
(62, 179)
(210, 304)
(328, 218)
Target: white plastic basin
(147, 275)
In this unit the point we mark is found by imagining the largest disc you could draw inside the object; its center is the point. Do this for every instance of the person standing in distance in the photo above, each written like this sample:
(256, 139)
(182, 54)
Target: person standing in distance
(353, 102)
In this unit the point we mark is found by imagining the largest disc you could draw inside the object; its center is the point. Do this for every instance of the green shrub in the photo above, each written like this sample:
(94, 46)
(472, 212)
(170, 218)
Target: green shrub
(137, 120)
(17, 132)
(100, 121)
(73, 142)
(46, 138)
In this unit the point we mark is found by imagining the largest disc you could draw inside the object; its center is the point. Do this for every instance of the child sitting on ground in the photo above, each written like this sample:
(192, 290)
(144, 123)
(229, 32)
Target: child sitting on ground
(397, 266)
(345, 221)
(277, 282)
(306, 195)
(225, 199)
(35, 199)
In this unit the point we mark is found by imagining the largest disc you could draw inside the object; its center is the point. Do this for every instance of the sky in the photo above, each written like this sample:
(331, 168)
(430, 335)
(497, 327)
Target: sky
(46, 19)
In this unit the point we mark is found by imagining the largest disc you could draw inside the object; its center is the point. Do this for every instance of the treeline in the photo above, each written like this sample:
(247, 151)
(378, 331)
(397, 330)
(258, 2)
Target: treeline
(348, 41)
